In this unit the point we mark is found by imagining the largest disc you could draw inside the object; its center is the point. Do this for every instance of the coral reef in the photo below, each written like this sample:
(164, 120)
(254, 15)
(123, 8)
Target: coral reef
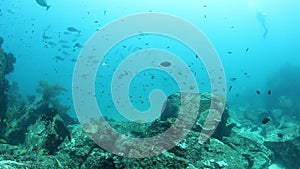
(48, 141)
(40, 122)
(7, 61)
(49, 91)
(285, 84)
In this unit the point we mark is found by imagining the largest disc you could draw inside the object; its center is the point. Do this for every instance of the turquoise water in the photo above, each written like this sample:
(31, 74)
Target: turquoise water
(257, 41)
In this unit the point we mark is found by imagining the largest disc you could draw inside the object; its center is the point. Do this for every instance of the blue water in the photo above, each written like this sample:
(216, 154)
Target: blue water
(233, 27)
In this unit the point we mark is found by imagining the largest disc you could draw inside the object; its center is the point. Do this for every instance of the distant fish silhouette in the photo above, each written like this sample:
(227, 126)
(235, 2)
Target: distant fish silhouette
(265, 120)
(72, 29)
(43, 3)
(165, 64)
(261, 17)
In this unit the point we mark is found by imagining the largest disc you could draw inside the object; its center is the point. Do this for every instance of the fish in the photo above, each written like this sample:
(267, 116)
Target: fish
(59, 58)
(43, 3)
(67, 33)
(229, 52)
(78, 45)
(230, 87)
(258, 92)
(269, 92)
(233, 79)
(72, 29)
(46, 37)
(51, 43)
(247, 49)
(65, 53)
(10, 11)
(3, 141)
(265, 120)
(65, 46)
(62, 41)
(165, 64)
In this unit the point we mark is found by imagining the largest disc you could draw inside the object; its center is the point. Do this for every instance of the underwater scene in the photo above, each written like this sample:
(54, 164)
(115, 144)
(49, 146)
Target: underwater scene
(134, 84)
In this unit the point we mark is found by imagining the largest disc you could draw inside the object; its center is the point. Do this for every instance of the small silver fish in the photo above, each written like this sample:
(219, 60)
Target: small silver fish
(43, 3)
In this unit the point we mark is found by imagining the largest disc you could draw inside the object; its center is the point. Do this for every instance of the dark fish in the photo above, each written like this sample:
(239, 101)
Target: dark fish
(247, 49)
(258, 92)
(59, 58)
(233, 79)
(46, 37)
(165, 64)
(230, 87)
(269, 92)
(229, 52)
(66, 53)
(78, 45)
(265, 120)
(61, 129)
(62, 41)
(43, 3)
(10, 11)
(67, 33)
(65, 46)
(52, 43)
(73, 60)
(104, 12)
(72, 29)
(280, 135)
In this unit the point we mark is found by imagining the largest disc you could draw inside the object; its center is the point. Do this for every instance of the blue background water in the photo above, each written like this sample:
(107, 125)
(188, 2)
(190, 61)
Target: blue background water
(230, 25)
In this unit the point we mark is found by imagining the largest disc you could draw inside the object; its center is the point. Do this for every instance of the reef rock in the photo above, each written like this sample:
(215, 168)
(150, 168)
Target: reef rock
(250, 147)
(7, 61)
(217, 123)
(284, 141)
